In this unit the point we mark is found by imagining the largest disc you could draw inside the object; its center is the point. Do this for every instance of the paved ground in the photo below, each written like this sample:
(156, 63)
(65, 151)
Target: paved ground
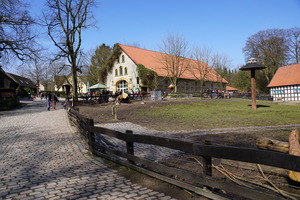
(40, 159)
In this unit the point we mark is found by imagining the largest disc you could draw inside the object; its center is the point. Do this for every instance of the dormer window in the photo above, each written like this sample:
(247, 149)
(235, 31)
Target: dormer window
(123, 58)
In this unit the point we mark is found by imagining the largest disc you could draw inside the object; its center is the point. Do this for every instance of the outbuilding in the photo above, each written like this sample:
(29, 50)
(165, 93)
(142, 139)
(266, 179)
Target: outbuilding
(285, 85)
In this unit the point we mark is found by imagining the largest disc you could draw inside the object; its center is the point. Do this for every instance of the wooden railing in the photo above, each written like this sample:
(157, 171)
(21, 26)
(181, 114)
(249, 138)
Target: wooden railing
(193, 181)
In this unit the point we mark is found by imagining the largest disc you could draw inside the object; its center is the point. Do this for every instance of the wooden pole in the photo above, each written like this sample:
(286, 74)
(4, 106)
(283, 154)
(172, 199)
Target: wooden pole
(253, 89)
(91, 135)
(207, 163)
(129, 145)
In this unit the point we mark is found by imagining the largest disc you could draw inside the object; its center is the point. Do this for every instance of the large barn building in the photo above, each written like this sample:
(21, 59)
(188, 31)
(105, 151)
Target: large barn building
(285, 85)
(124, 74)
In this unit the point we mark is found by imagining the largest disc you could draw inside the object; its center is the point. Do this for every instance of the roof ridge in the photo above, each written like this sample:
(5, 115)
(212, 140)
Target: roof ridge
(164, 53)
(140, 48)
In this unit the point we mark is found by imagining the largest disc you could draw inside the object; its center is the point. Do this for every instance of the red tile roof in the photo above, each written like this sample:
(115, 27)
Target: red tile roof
(153, 61)
(228, 88)
(287, 75)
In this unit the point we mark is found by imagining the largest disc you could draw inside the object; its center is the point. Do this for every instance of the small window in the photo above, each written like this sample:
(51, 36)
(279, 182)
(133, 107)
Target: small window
(125, 71)
(121, 70)
(138, 80)
(116, 72)
(123, 58)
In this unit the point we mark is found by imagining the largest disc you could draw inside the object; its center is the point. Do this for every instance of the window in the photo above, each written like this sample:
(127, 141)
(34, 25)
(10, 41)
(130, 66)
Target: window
(138, 80)
(122, 86)
(123, 58)
(121, 70)
(116, 72)
(125, 71)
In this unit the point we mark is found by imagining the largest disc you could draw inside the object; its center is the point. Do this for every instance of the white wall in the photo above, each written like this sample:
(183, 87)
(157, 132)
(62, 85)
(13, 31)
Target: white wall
(287, 93)
(131, 76)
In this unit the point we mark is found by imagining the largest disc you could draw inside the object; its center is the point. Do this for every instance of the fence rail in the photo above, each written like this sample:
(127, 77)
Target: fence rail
(193, 181)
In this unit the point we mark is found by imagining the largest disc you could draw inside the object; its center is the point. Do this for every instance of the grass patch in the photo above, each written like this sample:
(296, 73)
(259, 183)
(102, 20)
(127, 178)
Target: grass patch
(223, 114)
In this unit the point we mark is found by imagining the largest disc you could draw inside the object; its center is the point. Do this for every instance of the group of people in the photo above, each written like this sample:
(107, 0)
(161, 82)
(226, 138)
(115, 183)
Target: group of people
(218, 93)
(106, 94)
(50, 98)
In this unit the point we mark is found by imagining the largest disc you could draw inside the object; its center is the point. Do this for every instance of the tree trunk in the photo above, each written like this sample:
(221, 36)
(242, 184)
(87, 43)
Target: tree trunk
(292, 147)
(271, 144)
(294, 150)
(74, 81)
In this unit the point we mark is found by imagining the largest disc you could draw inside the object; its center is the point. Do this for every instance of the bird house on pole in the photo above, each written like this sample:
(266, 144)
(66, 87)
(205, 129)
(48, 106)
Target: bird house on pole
(252, 65)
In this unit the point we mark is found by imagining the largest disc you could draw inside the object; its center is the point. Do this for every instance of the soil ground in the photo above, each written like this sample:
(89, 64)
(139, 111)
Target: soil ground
(102, 113)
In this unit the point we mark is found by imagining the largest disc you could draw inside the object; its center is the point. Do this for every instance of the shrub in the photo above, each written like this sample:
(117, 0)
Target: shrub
(9, 103)
(177, 95)
(197, 95)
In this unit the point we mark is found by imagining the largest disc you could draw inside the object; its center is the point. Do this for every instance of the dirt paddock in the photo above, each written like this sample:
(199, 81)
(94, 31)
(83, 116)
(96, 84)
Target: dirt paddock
(102, 113)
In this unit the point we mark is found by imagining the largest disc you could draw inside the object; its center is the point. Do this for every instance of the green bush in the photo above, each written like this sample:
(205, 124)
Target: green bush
(197, 95)
(9, 103)
(177, 95)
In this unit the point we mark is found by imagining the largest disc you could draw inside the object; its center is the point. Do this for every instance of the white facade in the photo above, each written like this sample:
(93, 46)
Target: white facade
(286, 93)
(123, 76)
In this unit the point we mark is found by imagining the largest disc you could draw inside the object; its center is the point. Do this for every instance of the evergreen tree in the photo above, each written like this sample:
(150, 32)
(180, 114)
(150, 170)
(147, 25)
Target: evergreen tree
(98, 61)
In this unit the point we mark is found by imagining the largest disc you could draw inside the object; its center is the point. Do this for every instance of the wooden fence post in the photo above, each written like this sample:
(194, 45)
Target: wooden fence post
(91, 135)
(129, 145)
(207, 166)
(207, 163)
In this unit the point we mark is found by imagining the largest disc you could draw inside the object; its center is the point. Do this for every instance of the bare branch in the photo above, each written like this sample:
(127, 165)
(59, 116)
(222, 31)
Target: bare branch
(175, 49)
(65, 22)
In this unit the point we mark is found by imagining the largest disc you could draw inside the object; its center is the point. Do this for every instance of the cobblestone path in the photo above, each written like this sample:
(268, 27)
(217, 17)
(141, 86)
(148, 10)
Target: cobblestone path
(40, 159)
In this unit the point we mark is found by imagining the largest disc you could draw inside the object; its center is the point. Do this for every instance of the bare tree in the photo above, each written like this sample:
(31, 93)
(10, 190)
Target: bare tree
(58, 72)
(220, 63)
(293, 40)
(16, 38)
(270, 48)
(200, 69)
(175, 50)
(35, 70)
(65, 21)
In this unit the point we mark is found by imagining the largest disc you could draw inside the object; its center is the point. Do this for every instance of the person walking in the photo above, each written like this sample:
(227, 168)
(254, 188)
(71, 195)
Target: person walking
(49, 101)
(54, 101)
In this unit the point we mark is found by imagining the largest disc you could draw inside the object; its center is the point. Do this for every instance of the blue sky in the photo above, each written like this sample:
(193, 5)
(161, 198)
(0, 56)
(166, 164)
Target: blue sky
(222, 25)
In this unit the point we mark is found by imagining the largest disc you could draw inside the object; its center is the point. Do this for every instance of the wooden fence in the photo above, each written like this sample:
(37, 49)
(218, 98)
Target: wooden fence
(193, 181)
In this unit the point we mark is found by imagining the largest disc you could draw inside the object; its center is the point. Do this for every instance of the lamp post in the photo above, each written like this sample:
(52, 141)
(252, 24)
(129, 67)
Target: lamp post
(252, 65)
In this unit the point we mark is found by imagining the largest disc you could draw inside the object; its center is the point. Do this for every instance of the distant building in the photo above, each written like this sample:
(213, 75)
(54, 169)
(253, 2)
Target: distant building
(285, 85)
(61, 82)
(23, 86)
(231, 90)
(124, 73)
(8, 91)
(22, 82)
(41, 87)
(6, 81)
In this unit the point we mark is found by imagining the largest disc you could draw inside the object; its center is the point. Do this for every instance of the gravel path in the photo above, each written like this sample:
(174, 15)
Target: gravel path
(40, 158)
